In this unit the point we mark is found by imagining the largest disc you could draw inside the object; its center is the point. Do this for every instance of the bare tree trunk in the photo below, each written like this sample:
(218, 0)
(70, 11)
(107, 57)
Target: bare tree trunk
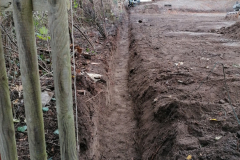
(7, 135)
(58, 22)
(23, 20)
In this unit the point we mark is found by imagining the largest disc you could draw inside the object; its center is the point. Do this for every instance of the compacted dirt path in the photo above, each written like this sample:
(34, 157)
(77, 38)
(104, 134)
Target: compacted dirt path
(117, 135)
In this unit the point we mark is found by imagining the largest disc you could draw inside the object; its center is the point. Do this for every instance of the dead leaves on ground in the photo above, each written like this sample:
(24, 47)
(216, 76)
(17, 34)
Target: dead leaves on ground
(79, 49)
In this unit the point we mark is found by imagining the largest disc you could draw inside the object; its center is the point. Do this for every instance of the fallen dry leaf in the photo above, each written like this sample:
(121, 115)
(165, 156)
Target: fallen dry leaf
(189, 157)
(79, 49)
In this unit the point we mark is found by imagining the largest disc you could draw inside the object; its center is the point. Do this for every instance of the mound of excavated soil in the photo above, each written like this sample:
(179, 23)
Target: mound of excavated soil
(175, 120)
(232, 31)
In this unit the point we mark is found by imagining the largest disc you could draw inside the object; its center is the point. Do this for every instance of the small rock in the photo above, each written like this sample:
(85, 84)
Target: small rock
(226, 100)
(180, 63)
(86, 55)
(221, 101)
(155, 100)
(218, 138)
(226, 66)
(180, 81)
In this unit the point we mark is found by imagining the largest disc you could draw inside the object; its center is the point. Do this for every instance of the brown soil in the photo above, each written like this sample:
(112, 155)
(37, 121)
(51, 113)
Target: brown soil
(232, 32)
(116, 123)
(163, 95)
(178, 115)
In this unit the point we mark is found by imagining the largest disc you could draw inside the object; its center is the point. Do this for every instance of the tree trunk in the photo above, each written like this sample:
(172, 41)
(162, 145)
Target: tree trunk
(7, 135)
(23, 20)
(58, 22)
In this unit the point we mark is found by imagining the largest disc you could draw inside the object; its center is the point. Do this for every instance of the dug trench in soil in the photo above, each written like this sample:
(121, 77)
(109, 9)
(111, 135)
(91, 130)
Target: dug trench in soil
(171, 54)
(117, 125)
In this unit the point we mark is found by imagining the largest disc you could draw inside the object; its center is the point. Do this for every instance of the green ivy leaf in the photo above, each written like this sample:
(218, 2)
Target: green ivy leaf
(45, 109)
(42, 56)
(36, 23)
(22, 129)
(56, 132)
(39, 36)
(75, 4)
(43, 30)
(44, 38)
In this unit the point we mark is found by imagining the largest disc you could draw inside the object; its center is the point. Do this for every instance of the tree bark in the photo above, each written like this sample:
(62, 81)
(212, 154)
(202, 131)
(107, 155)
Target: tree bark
(58, 22)
(23, 20)
(7, 135)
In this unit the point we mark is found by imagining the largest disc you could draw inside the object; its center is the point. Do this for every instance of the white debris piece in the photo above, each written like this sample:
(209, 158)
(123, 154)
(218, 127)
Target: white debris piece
(203, 58)
(218, 137)
(95, 63)
(94, 77)
(46, 97)
(179, 64)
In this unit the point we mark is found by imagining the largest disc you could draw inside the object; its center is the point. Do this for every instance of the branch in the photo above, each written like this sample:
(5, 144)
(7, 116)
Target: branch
(8, 36)
(89, 41)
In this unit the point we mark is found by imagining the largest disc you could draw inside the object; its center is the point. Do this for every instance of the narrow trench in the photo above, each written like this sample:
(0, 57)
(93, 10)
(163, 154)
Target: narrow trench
(117, 139)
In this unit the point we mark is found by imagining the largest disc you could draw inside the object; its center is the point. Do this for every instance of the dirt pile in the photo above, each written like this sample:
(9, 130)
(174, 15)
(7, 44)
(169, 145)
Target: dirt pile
(174, 123)
(232, 31)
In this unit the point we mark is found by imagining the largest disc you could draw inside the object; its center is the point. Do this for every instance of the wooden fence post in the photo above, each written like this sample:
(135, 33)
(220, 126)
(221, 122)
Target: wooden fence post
(7, 135)
(58, 23)
(23, 20)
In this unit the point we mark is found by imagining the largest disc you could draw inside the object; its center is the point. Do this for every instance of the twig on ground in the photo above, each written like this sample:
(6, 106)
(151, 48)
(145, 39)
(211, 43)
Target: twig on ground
(44, 69)
(94, 96)
(10, 49)
(8, 35)
(89, 41)
(156, 152)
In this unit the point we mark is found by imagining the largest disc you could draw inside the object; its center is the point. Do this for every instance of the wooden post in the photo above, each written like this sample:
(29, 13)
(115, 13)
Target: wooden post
(7, 135)
(23, 20)
(58, 23)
